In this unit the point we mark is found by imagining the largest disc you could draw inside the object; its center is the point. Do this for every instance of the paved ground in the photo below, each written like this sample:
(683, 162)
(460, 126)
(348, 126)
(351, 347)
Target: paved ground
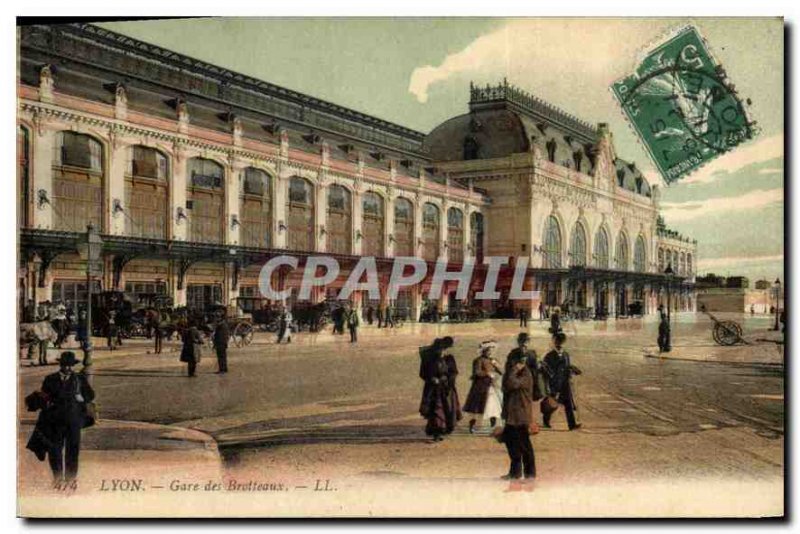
(323, 410)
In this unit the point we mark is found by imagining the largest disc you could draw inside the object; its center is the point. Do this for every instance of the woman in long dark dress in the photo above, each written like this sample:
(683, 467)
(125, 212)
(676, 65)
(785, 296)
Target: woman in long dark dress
(440, 404)
(191, 350)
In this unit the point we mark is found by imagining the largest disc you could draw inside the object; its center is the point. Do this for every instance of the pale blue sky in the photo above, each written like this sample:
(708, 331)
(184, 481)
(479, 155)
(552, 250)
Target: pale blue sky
(416, 72)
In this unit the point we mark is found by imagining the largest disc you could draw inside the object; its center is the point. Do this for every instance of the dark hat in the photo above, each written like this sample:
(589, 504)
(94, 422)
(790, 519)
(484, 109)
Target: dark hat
(443, 342)
(559, 337)
(68, 357)
(523, 336)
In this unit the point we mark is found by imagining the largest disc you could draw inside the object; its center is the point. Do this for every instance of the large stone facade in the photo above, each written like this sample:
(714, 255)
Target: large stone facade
(195, 175)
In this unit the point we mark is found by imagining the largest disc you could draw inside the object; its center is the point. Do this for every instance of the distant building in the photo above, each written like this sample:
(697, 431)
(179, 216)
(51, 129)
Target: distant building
(739, 282)
(733, 294)
(763, 284)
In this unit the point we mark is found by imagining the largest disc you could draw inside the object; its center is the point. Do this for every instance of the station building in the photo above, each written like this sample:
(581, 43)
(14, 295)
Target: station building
(194, 176)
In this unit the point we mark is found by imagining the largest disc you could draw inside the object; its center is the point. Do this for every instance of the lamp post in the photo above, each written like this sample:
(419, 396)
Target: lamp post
(669, 272)
(89, 251)
(777, 287)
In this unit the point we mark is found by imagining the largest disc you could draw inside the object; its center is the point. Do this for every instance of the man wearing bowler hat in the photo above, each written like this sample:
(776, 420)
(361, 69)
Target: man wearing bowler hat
(58, 430)
(558, 370)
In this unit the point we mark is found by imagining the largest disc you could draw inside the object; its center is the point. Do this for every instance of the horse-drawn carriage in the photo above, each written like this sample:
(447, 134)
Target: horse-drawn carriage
(134, 315)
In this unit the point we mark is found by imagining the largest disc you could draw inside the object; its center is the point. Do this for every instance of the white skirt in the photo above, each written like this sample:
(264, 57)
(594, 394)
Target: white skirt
(494, 402)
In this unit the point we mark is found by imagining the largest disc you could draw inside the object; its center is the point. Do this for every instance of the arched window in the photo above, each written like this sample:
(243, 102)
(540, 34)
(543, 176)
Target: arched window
(77, 182)
(146, 193)
(300, 214)
(601, 255)
(147, 162)
(255, 209)
(372, 225)
(23, 175)
(661, 265)
(206, 200)
(476, 235)
(79, 150)
(403, 227)
(455, 235)
(621, 254)
(577, 248)
(340, 220)
(682, 263)
(551, 150)
(470, 147)
(674, 261)
(552, 244)
(689, 265)
(639, 255)
(430, 232)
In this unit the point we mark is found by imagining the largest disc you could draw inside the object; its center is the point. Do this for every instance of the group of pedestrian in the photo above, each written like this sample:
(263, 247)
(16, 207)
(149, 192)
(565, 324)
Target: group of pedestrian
(508, 394)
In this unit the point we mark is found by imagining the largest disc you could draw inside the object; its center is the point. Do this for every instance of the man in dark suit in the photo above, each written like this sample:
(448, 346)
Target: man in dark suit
(531, 360)
(221, 336)
(58, 430)
(523, 317)
(558, 370)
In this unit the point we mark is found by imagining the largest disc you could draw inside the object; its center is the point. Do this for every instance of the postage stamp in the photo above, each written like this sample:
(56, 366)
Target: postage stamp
(682, 105)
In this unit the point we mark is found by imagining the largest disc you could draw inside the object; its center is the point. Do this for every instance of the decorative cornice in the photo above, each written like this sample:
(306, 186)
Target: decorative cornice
(107, 50)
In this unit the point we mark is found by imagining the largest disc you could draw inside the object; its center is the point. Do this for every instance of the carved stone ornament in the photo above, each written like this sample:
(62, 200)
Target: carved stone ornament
(46, 83)
(120, 102)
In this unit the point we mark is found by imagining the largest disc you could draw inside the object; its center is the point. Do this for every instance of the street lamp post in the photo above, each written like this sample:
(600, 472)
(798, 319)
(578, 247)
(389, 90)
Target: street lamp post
(777, 287)
(89, 251)
(669, 272)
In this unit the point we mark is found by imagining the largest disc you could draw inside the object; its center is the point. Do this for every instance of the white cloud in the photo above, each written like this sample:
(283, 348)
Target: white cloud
(735, 261)
(762, 149)
(532, 53)
(683, 211)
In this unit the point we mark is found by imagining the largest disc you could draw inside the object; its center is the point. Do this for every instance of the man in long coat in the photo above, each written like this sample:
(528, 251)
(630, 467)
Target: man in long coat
(58, 430)
(517, 405)
(222, 334)
(558, 370)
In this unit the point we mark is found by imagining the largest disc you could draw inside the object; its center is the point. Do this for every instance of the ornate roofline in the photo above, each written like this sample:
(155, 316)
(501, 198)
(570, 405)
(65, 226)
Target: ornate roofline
(505, 92)
(224, 77)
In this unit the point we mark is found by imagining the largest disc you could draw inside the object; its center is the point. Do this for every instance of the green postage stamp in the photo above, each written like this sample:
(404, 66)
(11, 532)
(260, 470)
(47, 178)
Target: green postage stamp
(682, 106)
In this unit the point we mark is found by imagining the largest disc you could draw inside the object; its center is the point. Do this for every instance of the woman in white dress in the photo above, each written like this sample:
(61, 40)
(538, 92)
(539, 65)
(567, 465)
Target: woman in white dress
(494, 400)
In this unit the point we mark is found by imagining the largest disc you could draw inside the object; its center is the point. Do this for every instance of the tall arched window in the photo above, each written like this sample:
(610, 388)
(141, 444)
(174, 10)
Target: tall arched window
(688, 265)
(430, 232)
(77, 182)
(639, 255)
(255, 209)
(552, 244)
(455, 235)
(403, 227)
(23, 175)
(146, 194)
(661, 265)
(601, 255)
(300, 214)
(621, 253)
(476, 235)
(674, 261)
(340, 220)
(372, 225)
(577, 247)
(682, 268)
(206, 200)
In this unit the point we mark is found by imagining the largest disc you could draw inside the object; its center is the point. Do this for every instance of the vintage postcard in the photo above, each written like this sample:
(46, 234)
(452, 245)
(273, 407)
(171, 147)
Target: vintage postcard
(401, 267)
